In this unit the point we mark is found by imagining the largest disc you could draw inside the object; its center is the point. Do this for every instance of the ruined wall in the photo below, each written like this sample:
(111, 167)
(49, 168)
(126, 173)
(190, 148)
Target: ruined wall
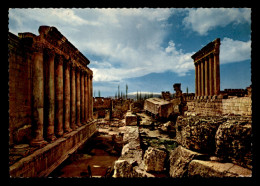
(218, 107)
(20, 90)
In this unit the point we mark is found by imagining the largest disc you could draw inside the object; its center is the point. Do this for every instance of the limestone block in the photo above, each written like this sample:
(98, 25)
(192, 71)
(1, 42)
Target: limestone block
(179, 160)
(233, 142)
(130, 119)
(154, 159)
(199, 168)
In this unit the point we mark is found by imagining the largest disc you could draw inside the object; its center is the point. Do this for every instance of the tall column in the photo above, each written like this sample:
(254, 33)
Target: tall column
(91, 98)
(196, 79)
(199, 78)
(78, 96)
(73, 99)
(59, 95)
(67, 97)
(50, 94)
(37, 97)
(206, 76)
(202, 78)
(86, 96)
(211, 77)
(82, 100)
(216, 74)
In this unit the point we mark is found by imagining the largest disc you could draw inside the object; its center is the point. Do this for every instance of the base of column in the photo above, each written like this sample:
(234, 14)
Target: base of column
(38, 143)
(51, 138)
(59, 134)
(68, 130)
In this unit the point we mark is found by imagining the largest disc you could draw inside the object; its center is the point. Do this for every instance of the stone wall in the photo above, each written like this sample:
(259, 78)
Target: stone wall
(218, 107)
(228, 138)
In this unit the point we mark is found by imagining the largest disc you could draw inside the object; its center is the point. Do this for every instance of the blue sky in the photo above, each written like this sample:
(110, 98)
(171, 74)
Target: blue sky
(149, 49)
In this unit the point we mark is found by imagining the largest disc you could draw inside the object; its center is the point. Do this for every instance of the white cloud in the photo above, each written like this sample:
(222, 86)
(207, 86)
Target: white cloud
(128, 42)
(202, 20)
(234, 50)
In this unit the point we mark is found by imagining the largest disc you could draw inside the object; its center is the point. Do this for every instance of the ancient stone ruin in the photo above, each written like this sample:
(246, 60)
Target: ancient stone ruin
(53, 118)
(50, 101)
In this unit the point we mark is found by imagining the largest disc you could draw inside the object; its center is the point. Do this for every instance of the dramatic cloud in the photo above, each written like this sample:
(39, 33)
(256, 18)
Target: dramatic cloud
(126, 43)
(234, 51)
(202, 20)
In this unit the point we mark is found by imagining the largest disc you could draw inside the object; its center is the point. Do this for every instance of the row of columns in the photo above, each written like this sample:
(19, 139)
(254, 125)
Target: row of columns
(61, 96)
(207, 76)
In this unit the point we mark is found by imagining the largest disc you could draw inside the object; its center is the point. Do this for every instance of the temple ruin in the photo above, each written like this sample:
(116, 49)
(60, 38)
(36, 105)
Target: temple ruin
(50, 100)
(207, 74)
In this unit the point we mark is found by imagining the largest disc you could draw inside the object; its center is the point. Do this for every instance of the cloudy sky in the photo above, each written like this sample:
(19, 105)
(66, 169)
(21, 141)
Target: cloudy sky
(149, 49)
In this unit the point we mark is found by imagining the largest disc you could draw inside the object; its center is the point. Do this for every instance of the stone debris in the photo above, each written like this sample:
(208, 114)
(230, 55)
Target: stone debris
(154, 159)
(199, 168)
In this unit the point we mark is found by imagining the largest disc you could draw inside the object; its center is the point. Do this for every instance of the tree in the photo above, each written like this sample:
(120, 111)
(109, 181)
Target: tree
(118, 91)
(187, 90)
(99, 94)
(126, 90)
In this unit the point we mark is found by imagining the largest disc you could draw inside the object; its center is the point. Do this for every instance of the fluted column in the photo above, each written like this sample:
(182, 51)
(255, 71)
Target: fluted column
(78, 96)
(82, 100)
(86, 96)
(67, 97)
(91, 98)
(206, 76)
(196, 79)
(199, 78)
(59, 95)
(49, 94)
(37, 97)
(211, 77)
(202, 78)
(216, 74)
(73, 99)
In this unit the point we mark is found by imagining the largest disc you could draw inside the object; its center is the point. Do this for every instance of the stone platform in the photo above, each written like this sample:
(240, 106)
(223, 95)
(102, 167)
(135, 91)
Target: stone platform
(43, 161)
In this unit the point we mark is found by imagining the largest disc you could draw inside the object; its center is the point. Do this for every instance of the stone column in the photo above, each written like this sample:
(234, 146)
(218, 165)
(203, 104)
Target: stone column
(82, 100)
(91, 98)
(73, 99)
(202, 78)
(216, 74)
(86, 96)
(211, 77)
(50, 94)
(206, 76)
(196, 79)
(37, 97)
(78, 96)
(59, 95)
(199, 78)
(67, 97)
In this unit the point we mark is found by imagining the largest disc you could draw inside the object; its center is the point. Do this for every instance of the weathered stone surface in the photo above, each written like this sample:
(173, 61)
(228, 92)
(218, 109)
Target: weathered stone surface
(125, 169)
(197, 133)
(131, 134)
(199, 168)
(233, 142)
(154, 159)
(179, 160)
(130, 119)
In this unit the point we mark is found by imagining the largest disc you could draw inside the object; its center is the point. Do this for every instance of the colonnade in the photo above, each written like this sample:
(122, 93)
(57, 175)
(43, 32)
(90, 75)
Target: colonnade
(62, 97)
(207, 71)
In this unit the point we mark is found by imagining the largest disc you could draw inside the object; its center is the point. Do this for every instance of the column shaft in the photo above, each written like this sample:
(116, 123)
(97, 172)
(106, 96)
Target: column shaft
(82, 100)
(59, 95)
(67, 97)
(86, 96)
(199, 78)
(216, 74)
(37, 99)
(78, 97)
(50, 94)
(73, 99)
(91, 98)
(196, 79)
(211, 77)
(202, 78)
(206, 76)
